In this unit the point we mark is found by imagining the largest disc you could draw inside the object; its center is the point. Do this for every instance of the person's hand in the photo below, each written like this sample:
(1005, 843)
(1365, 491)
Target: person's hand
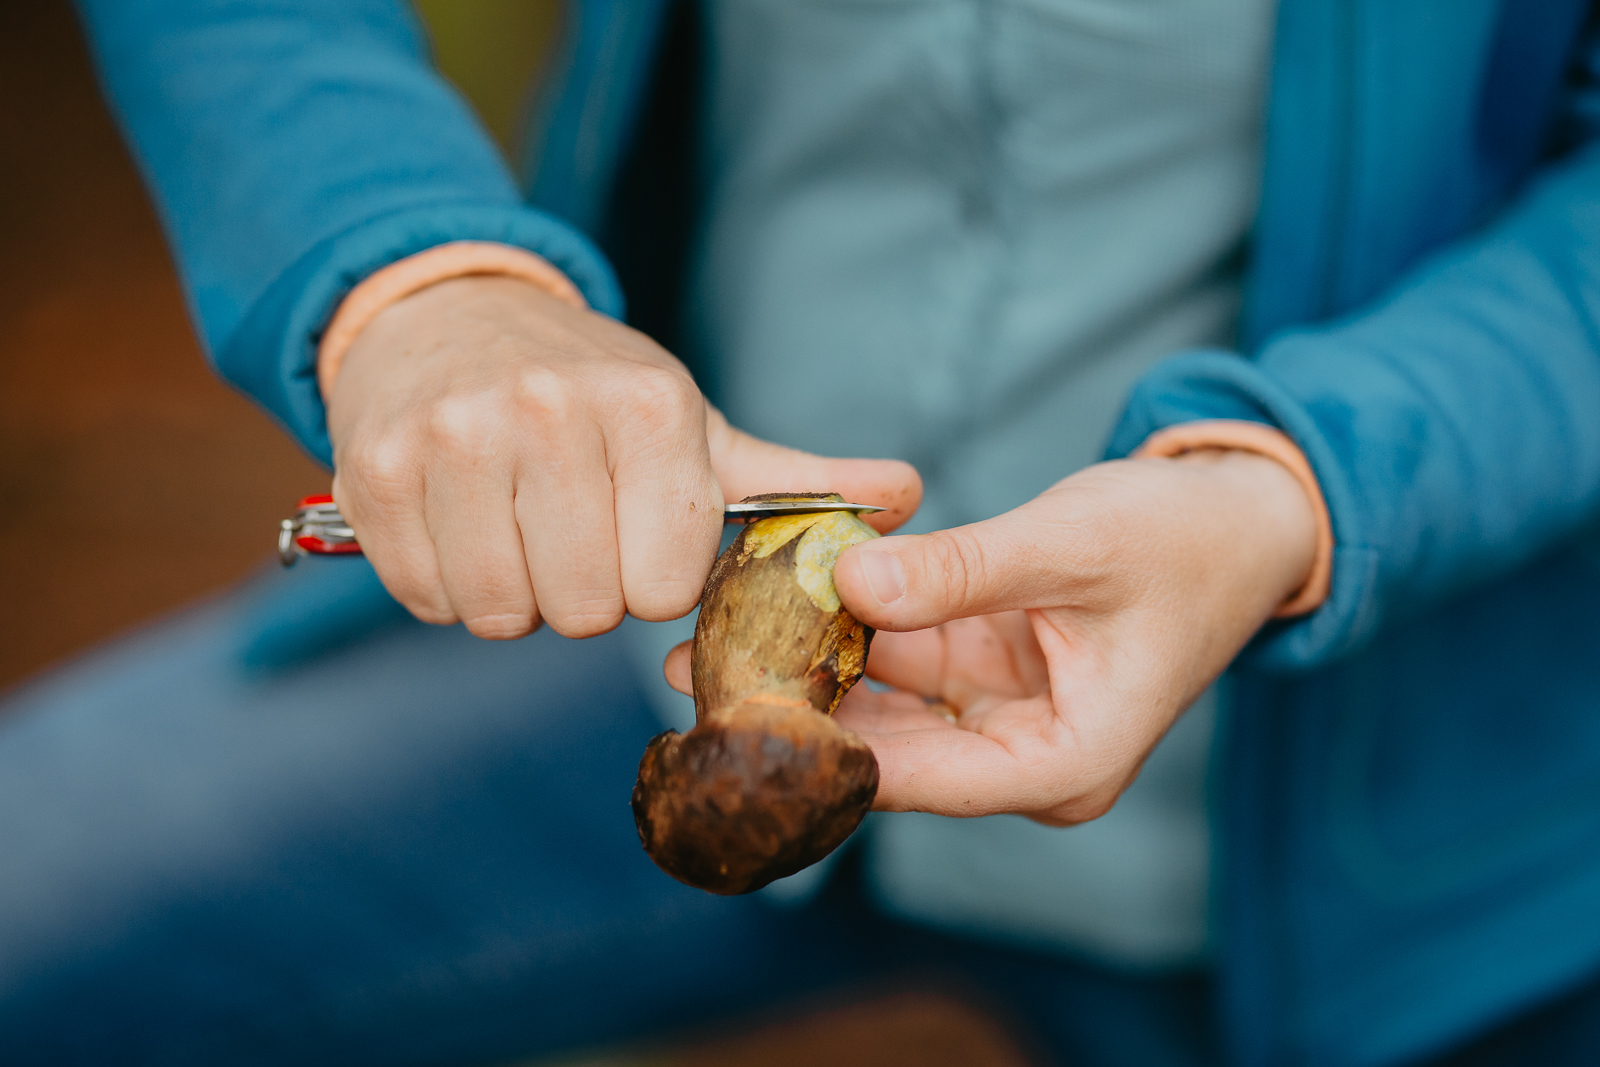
(504, 457)
(1039, 656)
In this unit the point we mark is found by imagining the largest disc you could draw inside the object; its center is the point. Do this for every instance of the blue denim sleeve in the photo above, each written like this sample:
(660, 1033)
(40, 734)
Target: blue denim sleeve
(293, 147)
(1454, 426)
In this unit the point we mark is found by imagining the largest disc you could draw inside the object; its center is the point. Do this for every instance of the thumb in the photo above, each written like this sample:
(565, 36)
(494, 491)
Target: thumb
(747, 466)
(911, 583)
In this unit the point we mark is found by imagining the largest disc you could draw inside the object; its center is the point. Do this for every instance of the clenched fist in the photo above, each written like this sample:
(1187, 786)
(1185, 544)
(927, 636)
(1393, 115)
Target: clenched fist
(504, 458)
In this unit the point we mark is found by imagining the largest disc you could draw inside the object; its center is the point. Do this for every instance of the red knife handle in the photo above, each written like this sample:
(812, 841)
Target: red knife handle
(317, 529)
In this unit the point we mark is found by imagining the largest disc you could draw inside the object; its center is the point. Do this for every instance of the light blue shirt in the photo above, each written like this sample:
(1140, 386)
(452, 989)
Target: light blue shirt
(957, 232)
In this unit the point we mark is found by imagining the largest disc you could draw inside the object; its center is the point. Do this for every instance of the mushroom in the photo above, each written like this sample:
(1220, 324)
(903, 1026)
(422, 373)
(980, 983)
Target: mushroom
(766, 783)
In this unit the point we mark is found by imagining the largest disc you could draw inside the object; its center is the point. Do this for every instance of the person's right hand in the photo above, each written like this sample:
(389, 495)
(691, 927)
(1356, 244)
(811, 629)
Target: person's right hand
(505, 458)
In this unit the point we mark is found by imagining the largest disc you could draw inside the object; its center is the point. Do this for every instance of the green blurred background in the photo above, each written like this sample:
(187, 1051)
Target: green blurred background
(493, 50)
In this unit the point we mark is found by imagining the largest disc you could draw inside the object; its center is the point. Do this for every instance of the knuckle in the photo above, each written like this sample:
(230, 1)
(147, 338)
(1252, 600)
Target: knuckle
(500, 626)
(461, 428)
(429, 612)
(544, 395)
(411, 579)
(384, 468)
(586, 618)
(663, 399)
(958, 563)
(663, 600)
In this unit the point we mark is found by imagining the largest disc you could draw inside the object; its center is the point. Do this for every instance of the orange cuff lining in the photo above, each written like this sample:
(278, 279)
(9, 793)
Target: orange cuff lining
(400, 279)
(1274, 444)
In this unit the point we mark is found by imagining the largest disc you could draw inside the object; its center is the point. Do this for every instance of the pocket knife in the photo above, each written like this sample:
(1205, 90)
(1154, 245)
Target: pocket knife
(318, 529)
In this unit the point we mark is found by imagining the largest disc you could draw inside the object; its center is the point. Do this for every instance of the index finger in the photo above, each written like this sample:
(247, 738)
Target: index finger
(668, 505)
(946, 770)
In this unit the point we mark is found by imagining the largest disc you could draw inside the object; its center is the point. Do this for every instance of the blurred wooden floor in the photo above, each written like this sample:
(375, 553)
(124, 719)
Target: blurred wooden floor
(134, 482)
(893, 1030)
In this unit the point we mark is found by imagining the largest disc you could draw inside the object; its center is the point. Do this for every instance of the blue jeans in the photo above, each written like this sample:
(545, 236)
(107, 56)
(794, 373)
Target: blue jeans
(417, 849)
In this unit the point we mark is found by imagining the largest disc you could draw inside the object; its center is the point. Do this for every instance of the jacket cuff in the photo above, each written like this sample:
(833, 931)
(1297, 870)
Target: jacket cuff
(272, 355)
(1215, 384)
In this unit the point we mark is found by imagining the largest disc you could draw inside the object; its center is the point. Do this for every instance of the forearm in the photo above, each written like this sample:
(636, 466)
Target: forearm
(292, 149)
(263, 129)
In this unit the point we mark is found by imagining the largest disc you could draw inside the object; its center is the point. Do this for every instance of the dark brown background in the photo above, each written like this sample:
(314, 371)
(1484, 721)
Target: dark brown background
(133, 482)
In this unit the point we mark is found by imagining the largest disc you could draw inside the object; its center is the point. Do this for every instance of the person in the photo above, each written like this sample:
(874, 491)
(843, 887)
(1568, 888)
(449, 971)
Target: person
(292, 825)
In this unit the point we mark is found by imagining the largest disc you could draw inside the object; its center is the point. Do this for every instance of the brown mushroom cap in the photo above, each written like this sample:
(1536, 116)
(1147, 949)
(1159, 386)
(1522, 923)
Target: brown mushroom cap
(755, 792)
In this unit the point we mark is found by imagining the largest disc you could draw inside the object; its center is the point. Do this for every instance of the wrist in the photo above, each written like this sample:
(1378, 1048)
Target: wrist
(400, 280)
(442, 339)
(1250, 452)
(1270, 520)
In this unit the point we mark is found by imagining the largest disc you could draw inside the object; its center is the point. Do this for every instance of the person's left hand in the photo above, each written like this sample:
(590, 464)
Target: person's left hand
(1039, 656)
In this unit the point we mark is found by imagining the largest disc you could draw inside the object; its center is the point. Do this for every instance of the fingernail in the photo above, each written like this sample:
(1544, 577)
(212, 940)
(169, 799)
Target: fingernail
(885, 575)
